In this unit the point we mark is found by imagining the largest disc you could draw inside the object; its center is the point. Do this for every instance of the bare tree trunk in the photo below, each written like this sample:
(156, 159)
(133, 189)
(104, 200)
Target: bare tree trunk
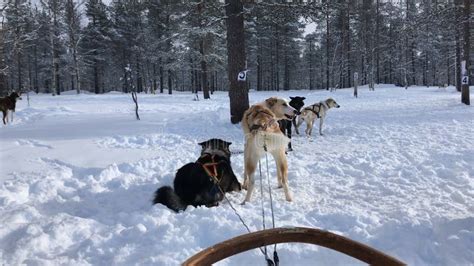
(377, 30)
(277, 58)
(466, 47)
(205, 85)
(327, 45)
(239, 101)
(3, 79)
(170, 81)
(153, 88)
(162, 78)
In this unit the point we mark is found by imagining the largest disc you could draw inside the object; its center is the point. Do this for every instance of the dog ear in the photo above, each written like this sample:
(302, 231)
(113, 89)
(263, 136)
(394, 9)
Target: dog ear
(292, 98)
(203, 143)
(303, 98)
(227, 143)
(271, 101)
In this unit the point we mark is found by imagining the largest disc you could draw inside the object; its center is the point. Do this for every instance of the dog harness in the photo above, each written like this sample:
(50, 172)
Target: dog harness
(314, 111)
(211, 168)
(264, 126)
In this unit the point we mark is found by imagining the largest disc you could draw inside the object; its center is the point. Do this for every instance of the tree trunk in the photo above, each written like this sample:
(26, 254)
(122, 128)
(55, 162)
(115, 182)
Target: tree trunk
(466, 47)
(170, 82)
(205, 85)
(153, 88)
(277, 58)
(238, 94)
(36, 69)
(162, 79)
(327, 45)
(96, 74)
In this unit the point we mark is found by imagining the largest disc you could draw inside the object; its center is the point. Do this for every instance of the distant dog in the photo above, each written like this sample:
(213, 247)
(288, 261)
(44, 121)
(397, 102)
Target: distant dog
(9, 103)
(313, 112)
(203, 182)
(285, 125)
(263, 134)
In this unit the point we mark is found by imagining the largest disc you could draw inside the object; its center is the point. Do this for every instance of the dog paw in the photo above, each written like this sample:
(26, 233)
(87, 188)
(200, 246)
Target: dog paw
(242, 203)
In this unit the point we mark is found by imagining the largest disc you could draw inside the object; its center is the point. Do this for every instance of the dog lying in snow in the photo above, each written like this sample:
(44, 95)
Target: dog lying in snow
(313, 112)
(202, 182)
(8, 103)
(262, 133)
(285, 125)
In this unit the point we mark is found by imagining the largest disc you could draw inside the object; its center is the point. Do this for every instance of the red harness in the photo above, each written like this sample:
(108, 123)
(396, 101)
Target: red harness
(211, 168)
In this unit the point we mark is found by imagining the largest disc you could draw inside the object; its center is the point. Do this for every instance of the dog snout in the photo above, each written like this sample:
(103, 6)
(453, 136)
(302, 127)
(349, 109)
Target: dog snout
(337, 106)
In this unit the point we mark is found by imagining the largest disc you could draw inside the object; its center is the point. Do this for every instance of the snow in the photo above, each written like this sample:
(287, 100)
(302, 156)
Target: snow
(394, 170)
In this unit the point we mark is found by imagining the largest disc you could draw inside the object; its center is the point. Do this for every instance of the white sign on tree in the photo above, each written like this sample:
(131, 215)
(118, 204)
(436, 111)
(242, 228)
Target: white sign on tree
(465, 76)
(242, 75)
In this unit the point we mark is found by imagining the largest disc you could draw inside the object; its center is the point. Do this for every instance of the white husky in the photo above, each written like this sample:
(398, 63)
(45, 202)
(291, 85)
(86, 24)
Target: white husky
(311, 113)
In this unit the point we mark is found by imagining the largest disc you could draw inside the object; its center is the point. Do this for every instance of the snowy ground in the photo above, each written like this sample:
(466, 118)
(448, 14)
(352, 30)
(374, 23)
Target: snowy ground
(395, 170)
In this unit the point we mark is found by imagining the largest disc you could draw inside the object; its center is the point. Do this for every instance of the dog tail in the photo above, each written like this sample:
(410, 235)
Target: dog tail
(166, 196)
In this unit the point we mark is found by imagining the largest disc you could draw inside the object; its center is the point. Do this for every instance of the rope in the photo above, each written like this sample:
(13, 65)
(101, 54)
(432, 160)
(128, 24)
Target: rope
(238, 215)
(269, 261)
(276, 260)
(275, 254)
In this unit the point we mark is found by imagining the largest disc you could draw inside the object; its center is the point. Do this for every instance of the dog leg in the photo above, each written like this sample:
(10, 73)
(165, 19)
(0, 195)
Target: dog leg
(309, 127)
(250, 167)
(12, 116)
(298, 124)
(321, 121)
(4, 116)
(282, 172)
(288, 130)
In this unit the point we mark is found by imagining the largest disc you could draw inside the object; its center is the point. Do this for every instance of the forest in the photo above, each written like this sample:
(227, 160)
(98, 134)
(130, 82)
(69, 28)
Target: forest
(163, 46)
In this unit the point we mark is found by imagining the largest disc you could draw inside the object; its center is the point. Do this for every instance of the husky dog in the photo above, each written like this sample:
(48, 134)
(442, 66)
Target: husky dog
(313, 112)
(8, 103)
(263, 134)
(285, 125)
(203, 182)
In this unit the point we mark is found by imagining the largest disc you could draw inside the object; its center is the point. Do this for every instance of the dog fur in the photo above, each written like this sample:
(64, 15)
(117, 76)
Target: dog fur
(313, 112)
(263, 134)
(8, 103)
(194, 186)
(285, 125)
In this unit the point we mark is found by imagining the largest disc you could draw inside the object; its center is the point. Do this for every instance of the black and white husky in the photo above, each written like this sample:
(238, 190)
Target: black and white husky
(310, 113)
(202, 182)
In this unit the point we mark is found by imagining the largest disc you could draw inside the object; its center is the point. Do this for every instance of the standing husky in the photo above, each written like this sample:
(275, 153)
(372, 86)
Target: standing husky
(202, 182)
(285, 125)
(263, 134)
(8, 103)
(313, 112)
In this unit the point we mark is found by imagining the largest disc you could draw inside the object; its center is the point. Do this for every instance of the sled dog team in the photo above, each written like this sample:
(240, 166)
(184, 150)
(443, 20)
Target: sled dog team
(267, 128)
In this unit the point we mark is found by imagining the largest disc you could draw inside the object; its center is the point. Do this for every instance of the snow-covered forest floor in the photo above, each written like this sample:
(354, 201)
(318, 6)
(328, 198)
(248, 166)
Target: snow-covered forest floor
(394, 170)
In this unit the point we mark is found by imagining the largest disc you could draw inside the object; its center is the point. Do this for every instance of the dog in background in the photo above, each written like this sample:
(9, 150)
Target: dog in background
(203, 182)
(263, 134)
(8, 103)
(285, 125)
(313, 112)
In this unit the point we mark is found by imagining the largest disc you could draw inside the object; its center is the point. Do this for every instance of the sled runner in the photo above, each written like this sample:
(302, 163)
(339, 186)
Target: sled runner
(322, 238)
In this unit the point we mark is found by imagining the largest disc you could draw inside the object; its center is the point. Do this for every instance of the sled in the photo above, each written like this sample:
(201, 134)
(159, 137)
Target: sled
(313, 236)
